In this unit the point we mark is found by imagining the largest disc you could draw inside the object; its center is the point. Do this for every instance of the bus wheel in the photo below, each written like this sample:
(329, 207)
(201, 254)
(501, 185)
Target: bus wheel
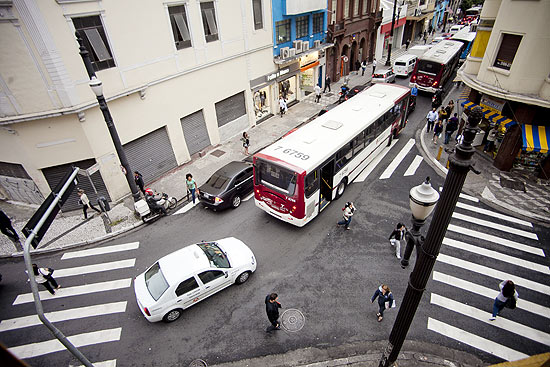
(341, 188)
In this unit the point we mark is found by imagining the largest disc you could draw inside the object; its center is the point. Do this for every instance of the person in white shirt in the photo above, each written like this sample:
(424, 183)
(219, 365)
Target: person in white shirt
(86, 203)
(507, 297)
(349, 210)
(432, 118)
(282, 106)
(44, 276)
(317, 93)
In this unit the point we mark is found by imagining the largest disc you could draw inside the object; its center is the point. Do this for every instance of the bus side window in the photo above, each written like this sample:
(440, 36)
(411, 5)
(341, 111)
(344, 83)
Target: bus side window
(358, 143)
(369, 135)
(312, 183)
(343, 156)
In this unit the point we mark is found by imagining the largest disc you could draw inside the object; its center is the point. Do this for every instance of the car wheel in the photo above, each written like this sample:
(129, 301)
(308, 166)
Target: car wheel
(236, 201)
(341, 188)
(243, 277)
(172, 315)
(172, 202)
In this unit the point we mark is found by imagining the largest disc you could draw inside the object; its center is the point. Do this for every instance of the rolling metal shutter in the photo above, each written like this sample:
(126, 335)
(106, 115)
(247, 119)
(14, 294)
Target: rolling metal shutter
(151, 155)
(17, 184)
(55, 174)
(195, 132)
(230, 109)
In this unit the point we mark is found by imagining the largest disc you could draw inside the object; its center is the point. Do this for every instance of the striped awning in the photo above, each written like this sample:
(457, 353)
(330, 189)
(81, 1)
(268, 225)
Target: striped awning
(535, 138)
(493, 116)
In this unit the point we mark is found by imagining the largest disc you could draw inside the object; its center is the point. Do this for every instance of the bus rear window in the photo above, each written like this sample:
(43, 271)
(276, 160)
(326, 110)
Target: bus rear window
(429, 67)
(275, 177)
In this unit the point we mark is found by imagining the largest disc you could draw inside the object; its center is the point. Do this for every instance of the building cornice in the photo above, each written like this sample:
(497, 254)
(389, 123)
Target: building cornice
(471, 81)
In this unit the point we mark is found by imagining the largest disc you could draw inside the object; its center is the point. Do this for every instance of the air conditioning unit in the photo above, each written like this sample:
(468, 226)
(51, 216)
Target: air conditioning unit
(297, 45)
(285, 52)
(317, 44)
(305, 46)
(292, 52)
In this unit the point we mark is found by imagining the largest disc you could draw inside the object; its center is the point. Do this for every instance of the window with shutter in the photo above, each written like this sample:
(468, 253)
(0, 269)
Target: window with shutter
(90, 29)
(180, 28)
(507, 51)
(257, 9)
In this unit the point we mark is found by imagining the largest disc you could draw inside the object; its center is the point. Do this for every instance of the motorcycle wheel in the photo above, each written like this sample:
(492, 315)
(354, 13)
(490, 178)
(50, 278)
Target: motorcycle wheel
(172, 202)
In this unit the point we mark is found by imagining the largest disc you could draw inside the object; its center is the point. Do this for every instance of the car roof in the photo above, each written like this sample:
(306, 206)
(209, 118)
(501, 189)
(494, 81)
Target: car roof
(183, 263)
(406, 57)
(233, 168)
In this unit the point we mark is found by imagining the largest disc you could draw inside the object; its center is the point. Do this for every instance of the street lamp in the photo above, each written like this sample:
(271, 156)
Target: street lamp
(422, 200)
(97, 88)
(388, 61)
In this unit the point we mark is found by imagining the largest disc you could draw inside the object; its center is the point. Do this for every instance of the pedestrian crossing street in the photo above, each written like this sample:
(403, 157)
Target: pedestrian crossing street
(76, 271)
(482, 248)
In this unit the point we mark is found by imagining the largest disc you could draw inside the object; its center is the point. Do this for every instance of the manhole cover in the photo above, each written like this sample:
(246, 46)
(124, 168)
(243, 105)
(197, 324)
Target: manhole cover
(292, 320)
(218, 153)
(198, 363)
(510, 184)
(329, 94)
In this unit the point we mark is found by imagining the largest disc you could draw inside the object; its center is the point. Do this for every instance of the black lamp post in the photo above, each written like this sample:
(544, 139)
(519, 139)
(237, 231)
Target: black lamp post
(427, 250)
(97, 88)
(388, 62)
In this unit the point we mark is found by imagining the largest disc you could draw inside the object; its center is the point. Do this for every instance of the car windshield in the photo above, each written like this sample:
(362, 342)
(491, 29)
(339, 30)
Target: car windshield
(217, 181)
(276, 177)
(155, 282)
(429, 67)
(215, 255)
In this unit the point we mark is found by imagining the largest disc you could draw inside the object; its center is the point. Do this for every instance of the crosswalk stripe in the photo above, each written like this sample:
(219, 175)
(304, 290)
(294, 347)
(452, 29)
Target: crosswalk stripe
(111, 363)
(64, 315)
(497, 274)
(397, 160)
(94, 268)
(493, 214)
(187, 207)
(75, 291)
(464, 196)
(372, 165)
(100, 250)
(414, 166)
(483, 316)
(496, 255)
(495, 239)
(490, 293)
(54, 345)
(475, 341)
(496, 226)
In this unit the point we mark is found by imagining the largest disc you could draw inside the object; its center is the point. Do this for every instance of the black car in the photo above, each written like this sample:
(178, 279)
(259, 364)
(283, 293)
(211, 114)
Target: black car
(227, 186)
(355, 90)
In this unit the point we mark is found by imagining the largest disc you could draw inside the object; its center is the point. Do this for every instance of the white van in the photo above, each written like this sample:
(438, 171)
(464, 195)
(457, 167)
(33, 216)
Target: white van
(418, 50)
(404, 65)
(455, 29)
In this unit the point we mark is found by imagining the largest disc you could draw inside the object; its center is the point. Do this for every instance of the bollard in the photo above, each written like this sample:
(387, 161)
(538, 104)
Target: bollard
(439, 153)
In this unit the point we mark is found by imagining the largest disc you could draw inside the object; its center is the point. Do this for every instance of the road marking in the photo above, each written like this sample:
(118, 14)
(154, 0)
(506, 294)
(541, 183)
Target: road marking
(111, 363)
(464, 196)
(372, 165)
(493, 214)
(94, 268)
(496, 226)
(64, 315)
(100, 250)
(187, 207)
(497, 274)
(250, 196)
(483, 316)
(75, 291)
(414, 166)
(496, 255)
(54, 345)
(475, 341)
(495, 239)
(397, 160)
(489, 293)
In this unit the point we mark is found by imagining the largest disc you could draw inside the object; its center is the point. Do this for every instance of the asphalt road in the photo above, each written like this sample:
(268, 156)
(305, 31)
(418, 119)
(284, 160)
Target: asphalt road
(327, 273)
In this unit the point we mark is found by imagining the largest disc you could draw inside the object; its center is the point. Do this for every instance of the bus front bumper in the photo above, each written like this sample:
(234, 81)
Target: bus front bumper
(284, 217)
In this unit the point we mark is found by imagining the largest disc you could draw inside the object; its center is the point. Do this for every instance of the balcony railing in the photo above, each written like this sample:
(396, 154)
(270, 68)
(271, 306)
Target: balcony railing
(336, 28)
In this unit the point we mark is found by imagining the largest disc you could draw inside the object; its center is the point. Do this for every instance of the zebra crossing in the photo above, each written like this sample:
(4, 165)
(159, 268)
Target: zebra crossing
(114, 269)
(482, 248)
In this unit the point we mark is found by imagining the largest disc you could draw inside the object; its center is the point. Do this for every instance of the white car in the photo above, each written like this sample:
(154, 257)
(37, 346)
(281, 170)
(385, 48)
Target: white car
(383, 76)
(185, 277)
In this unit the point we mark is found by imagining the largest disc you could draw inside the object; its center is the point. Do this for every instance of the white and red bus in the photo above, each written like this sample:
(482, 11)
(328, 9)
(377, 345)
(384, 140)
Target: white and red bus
(296, 177)
(436, 66)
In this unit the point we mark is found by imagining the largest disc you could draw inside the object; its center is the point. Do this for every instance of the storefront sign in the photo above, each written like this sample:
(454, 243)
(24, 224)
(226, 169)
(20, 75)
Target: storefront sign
(492, 103)
(270, 78)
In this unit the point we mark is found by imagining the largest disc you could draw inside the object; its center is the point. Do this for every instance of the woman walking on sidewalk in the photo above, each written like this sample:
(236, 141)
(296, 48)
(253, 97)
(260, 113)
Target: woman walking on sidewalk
(86, 203)
(385, 300)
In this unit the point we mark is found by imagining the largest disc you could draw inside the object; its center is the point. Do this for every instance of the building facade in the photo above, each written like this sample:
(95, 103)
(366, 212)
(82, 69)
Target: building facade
(507, 72)
(384, 31)
(419, 18)
(165, 72)
(352, 28)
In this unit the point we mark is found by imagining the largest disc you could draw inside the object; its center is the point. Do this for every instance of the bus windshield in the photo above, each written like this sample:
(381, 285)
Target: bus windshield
(429, 67)
(276, 177)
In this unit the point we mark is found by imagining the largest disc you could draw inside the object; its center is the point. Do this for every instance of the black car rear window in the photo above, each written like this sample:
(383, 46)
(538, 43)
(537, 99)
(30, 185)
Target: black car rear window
(218, 181)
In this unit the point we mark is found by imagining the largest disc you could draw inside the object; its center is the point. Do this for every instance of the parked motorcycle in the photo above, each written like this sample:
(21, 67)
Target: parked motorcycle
(148, 212)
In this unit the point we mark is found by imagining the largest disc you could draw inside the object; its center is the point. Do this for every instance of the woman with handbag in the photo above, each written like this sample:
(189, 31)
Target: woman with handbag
(44, 276)
(507, 297)
(385, 300)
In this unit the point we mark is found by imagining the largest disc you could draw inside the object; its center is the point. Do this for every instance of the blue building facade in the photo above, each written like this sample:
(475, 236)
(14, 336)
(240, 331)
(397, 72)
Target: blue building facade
(439, 13)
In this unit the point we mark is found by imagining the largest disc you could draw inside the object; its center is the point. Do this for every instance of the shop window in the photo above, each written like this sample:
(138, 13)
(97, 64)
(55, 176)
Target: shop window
(209, 21)
(283, 31)
(180, 29)
(257, 9)
(302, 26)
(507, 51)
(318, 22)
(90, 29)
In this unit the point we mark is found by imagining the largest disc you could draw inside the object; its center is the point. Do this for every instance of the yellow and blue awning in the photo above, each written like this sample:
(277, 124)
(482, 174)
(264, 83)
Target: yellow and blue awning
(535, 138)
(490, 115)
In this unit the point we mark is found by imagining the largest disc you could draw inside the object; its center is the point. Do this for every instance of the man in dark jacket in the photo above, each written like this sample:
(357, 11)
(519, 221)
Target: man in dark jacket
(272, 309)
(451, 127)
(395, 238)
